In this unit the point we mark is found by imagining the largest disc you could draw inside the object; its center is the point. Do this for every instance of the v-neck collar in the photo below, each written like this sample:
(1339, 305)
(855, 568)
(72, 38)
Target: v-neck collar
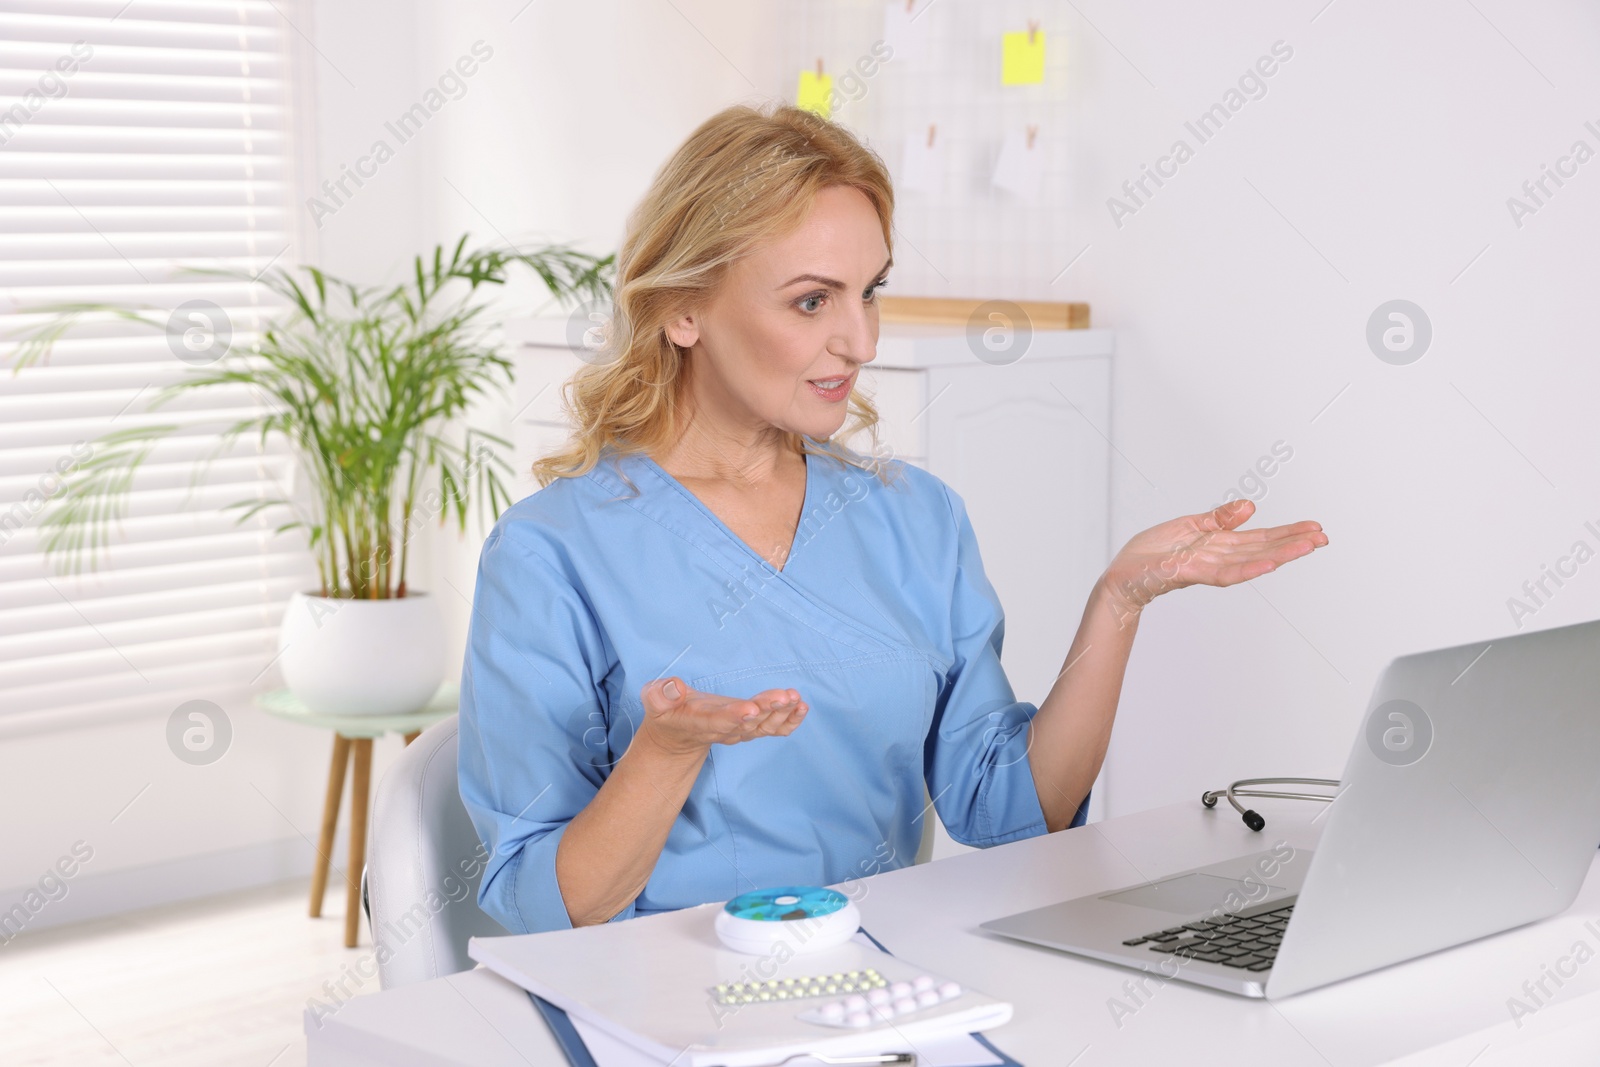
(805, 509)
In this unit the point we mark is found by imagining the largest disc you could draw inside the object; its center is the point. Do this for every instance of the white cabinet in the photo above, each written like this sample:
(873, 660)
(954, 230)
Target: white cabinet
(1025, 444)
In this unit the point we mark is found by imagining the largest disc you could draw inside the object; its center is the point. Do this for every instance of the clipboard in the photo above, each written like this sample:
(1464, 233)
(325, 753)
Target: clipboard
(578, 1054)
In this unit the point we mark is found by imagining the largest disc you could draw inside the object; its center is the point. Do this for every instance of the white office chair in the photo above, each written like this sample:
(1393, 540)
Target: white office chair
(419, 904)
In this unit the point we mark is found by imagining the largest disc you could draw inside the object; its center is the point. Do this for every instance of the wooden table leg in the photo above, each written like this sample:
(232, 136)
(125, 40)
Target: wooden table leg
(361, 760)
(330, 820)
(412, 736)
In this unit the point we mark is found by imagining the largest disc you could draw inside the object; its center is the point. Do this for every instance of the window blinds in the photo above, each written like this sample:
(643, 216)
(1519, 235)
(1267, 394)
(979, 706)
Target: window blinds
(136, 140)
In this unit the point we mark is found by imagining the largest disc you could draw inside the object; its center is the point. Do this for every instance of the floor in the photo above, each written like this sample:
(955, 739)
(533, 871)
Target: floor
(218, 981)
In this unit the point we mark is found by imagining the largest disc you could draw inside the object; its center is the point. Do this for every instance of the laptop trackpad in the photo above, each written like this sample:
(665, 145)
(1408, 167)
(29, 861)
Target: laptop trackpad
(1191, 894)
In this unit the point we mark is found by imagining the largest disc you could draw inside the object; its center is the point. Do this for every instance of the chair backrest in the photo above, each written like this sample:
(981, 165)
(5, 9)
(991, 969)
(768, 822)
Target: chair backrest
(424, 863)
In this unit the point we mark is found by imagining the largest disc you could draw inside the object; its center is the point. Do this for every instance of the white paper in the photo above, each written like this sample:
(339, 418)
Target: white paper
(961, 1051)
(904, 31)
(922, 168)
(1020, 169)
(608, 1051)
(645, 981)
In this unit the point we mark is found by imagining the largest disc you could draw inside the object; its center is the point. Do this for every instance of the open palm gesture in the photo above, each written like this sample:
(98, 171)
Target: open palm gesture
(1204, 549)
(687, 720)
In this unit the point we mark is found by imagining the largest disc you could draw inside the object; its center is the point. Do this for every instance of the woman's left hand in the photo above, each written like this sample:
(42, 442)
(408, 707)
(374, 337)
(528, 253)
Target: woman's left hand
(1204, 549)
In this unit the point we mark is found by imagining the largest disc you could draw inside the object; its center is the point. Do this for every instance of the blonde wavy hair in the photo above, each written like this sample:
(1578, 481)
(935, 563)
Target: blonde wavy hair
(744, 178)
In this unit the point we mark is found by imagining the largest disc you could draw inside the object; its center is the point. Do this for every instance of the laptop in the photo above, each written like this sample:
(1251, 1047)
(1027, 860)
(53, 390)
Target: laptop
(1470, 804)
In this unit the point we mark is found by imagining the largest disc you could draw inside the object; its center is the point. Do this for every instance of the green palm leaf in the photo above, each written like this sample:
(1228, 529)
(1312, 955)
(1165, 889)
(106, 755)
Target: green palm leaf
(368, 385)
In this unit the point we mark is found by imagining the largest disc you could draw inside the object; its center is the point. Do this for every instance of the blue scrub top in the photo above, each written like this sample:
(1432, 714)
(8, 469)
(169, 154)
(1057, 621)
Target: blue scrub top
(881, 618)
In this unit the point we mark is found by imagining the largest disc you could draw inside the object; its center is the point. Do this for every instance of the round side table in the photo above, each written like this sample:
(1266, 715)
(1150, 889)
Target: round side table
(352, 746)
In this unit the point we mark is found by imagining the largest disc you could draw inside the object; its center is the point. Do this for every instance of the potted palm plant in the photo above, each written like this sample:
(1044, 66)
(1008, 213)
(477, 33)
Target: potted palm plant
(369, 386)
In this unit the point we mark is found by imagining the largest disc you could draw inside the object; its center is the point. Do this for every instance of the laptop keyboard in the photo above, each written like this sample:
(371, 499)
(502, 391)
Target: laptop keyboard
(1250, 944)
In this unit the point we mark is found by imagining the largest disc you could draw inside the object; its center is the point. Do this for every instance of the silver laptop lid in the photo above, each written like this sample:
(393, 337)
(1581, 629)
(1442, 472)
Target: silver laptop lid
(1470, 804)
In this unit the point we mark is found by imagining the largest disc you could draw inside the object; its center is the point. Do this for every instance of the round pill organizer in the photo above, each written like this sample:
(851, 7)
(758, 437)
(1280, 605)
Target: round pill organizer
(805, 918)
(883, 1004)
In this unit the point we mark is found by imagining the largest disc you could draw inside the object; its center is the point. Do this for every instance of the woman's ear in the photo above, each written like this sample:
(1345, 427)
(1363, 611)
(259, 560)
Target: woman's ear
(683, 331)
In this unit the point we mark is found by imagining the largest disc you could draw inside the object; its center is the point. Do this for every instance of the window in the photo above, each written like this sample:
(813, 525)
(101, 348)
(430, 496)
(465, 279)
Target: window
(137, 139)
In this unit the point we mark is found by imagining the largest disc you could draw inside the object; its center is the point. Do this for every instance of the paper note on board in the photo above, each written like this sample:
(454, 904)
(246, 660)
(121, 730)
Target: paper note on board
(1020, 169)
(1022, 60)
(815, 93)
(905, 29)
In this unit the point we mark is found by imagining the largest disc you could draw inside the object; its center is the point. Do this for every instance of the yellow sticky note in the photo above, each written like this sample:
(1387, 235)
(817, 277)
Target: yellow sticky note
(815, 93)
(1022, 62)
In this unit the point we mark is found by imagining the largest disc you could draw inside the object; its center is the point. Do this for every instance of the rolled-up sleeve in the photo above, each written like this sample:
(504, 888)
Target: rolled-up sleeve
(976, 758)
(531, 692)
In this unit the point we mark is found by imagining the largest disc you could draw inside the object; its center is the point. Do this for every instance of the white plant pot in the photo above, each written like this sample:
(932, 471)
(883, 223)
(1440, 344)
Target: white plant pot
(362, 657)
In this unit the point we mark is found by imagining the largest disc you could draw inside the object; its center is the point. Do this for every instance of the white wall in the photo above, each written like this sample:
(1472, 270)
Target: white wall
(1389, 143)
(359, 71)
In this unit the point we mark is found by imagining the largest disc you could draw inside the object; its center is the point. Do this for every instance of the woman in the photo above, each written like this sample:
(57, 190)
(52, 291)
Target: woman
(718, 651)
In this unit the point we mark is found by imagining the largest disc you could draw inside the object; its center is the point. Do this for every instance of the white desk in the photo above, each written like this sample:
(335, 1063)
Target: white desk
(1446, 1009)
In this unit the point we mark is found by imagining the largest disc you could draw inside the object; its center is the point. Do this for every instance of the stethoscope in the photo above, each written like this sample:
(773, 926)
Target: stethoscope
(1251, 818)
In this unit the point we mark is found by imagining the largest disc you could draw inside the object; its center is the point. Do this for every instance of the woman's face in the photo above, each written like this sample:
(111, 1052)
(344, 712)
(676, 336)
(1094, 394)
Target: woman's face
(799, 311)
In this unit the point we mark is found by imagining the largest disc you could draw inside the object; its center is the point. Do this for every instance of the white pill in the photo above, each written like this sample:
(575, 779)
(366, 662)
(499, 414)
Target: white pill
(900, 989)
(949, 991)
(927, 998)
(855, 1003)
(905, 1006)
(879, 996)
(858, 1019)
(922, 982)
(832, 1012)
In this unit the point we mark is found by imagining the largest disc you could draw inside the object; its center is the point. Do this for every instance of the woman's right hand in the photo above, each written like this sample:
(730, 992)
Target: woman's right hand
(685, 721)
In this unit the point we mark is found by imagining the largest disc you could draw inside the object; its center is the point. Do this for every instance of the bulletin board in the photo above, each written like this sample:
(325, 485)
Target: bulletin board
(958, 235)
